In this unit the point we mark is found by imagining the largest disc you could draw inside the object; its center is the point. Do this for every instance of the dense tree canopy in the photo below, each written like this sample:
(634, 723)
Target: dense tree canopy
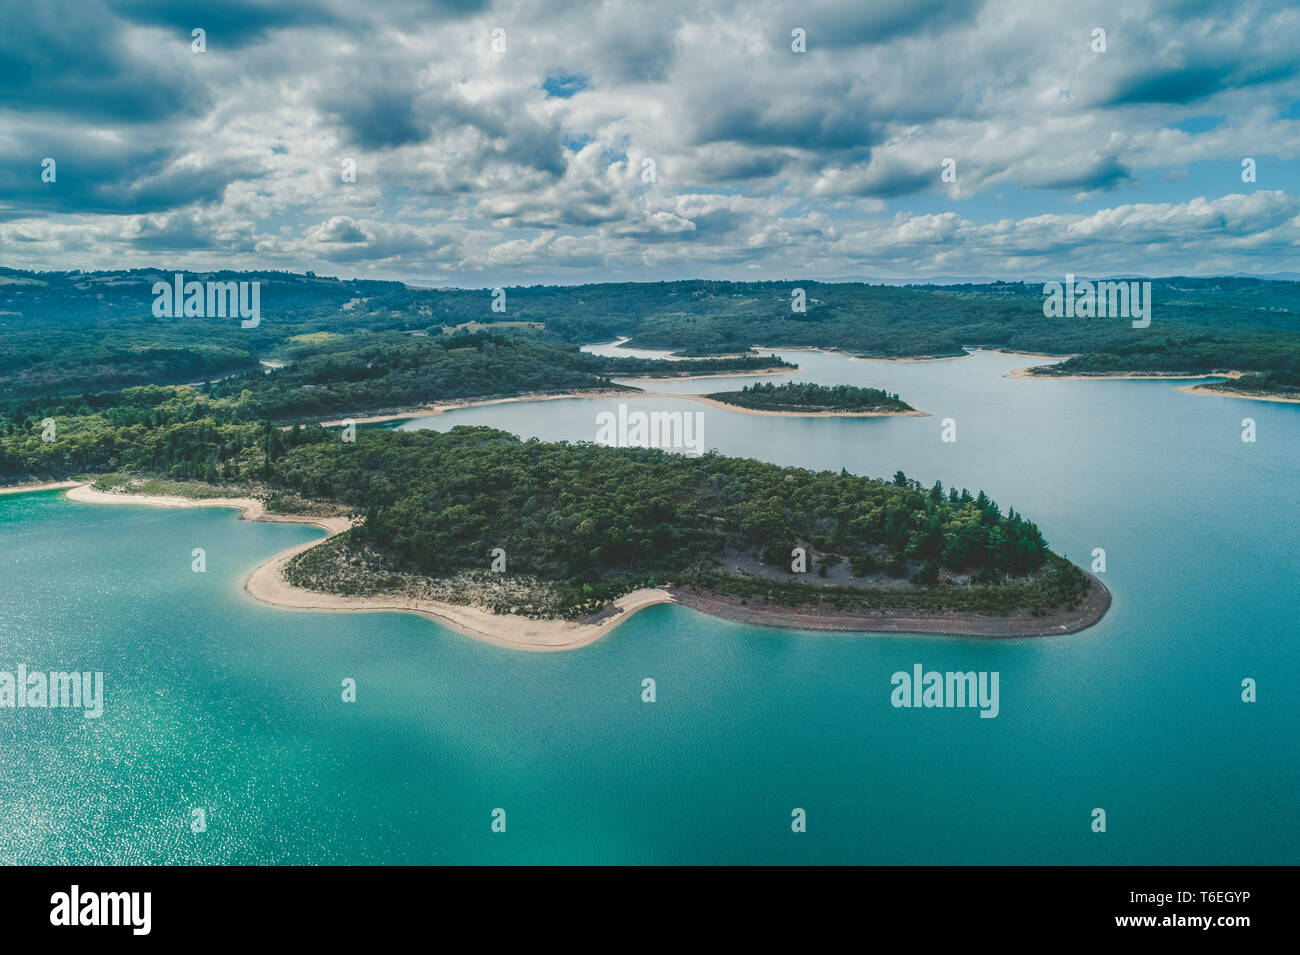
(68, 332)
(808, 397)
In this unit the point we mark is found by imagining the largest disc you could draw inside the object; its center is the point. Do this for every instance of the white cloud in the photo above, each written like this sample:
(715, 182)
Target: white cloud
(823, 163)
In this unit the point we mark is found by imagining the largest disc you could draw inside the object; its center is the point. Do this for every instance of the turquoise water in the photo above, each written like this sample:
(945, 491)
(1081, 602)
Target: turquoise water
(219, 703)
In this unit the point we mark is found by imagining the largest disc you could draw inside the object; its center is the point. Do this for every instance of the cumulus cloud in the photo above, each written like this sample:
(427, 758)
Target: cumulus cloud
(529, 140)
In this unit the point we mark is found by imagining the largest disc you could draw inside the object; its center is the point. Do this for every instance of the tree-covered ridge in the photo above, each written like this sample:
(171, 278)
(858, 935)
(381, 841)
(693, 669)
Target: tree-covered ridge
(334, 375)
(808, 397)
(578, 512)
(61, 361)
(1255, 322)
(596, 522)
(171, 431)
(363, 373)
(1270, 356)
(65, 332)
(193, 433)
(75, 332)
(367, 373)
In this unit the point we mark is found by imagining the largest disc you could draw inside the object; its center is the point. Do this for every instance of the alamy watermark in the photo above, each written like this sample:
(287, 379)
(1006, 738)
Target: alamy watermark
(75, 907)
(36, 689)
(935, 689)
(679, 430)
(182, 299)
(1098, 300)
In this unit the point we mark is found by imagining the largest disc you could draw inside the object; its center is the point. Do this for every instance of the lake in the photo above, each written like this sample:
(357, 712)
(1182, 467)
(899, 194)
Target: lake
(219, 704)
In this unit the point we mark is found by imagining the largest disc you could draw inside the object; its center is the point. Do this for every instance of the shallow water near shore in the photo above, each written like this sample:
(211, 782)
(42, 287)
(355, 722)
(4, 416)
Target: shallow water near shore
(218, 703)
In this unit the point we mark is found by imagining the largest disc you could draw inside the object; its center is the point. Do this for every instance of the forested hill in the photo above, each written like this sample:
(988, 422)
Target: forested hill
(1197, 326)
(359, 374)
(331, 375)
(75, 332)
(62, 332)
(596, 522)
(443, 500)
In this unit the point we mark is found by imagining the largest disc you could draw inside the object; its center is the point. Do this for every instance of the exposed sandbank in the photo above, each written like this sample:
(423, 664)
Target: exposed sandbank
(1027, 354)
(253, 509)
(1027, 374)
(266, 583)
(28, 488)
(850, 357)
(429, 411)
(967, 351)
(718, 374)
(663, 355)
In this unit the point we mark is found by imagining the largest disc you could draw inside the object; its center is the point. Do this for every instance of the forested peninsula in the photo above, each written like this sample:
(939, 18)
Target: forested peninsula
(578, 526)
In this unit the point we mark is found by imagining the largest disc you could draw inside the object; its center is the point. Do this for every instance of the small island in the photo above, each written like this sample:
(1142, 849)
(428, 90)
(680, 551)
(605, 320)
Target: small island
(806, 398)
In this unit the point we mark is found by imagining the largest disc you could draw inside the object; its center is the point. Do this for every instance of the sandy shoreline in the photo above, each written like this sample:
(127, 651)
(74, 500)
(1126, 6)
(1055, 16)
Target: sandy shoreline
(253, 509)
(967, 351)
(1223, 393)
(266, 584)
(718, 374)
(1025, 374)
(429, 411)
(672, 356)
(704, 399)
(1028, 354)
(29, 488)
(659, 353)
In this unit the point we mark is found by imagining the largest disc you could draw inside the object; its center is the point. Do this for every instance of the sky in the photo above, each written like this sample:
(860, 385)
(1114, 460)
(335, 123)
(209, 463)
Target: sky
(525, 142)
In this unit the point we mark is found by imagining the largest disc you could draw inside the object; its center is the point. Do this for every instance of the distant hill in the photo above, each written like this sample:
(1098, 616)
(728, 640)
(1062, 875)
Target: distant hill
(98, 330)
